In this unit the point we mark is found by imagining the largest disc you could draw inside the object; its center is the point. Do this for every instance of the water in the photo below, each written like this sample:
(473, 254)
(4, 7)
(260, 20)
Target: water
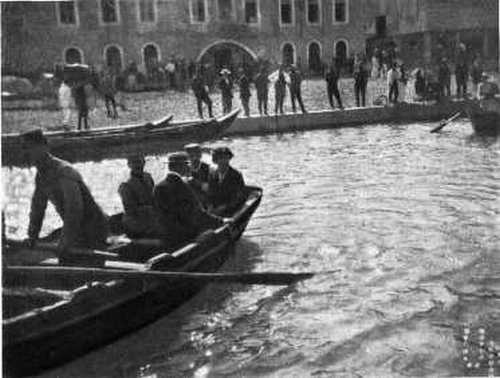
(411, 219)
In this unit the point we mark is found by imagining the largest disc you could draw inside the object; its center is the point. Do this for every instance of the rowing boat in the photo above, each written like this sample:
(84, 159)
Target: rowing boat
(485, 123)
(50, 320)
(114, 143)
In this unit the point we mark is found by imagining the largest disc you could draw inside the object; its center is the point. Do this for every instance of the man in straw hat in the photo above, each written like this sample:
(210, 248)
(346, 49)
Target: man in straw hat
(226, 90)
(84, 223)
(180, 215)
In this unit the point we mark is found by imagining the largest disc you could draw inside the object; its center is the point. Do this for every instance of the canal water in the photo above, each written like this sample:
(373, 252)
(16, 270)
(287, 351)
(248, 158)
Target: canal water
(403, 223)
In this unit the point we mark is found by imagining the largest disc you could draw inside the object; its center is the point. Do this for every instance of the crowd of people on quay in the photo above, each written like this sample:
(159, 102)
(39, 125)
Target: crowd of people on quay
(192, 198)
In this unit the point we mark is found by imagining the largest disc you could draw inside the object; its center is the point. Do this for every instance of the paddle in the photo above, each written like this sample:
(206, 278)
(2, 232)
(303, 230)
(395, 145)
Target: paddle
(30, 273)
(445, 122)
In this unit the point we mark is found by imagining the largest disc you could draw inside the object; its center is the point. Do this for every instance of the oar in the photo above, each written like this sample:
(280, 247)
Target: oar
(445, 122)
(30, 273)
(20, 245)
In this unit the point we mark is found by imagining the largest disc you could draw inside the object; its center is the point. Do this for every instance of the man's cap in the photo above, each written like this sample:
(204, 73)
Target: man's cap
(135, 158)
(34, 136)
(222, 151)
(178, 157)
(192, 147)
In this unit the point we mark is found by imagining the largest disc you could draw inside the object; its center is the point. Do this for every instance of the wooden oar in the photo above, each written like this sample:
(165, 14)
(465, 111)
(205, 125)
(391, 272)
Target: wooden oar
(30, 273)
(446, 122)
(53, 247)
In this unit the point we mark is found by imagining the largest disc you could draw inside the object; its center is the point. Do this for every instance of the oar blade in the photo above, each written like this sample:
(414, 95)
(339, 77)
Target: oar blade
(269, 278)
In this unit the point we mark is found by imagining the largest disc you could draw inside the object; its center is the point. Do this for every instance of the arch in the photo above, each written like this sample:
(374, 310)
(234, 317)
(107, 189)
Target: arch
(150, 55)
(314, 57)
(225, 41)
(341, 50)
(113, 57)
(73, 54)
(288, 53)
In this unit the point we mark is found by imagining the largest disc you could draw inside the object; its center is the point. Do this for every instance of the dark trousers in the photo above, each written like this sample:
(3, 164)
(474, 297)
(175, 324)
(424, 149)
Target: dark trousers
(360, 91)
(393, 92)
(83, 114)
(461, 80)
(204, 99)
(227, 104)
(279, 100)
(110, 103)
(245, 102)
(334, 91)
(262, 100)
(445, 90)
(297, 96)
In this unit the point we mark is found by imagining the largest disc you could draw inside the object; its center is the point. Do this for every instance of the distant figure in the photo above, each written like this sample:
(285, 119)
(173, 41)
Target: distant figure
(295, 88)
(393, 77)
(137, 198)
(84, 223)
(199, 172)
(332, 77)
(82, 106)
(180, 215)
(375, 66)
(226, 89)
(262, 87)
(360, 80)
(420, 84)
(444, 79)
(106, 86)
(200, 90)
(225, 185)
(279, 92)
(403, 81)
(476, 74)
(461, 71)
(65, 102)
(244, 83)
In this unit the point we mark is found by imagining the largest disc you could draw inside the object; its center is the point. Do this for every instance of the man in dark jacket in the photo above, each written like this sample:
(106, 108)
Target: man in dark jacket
(332, 77)
(225, 185)
(461, 71)
(80, 96)
(279, 91)
(84, 223)
(199, 172)
(444, 78)
(226, 89)
(295, 90)
(137, 199)
(200, 91)
(262, 87)
(361, 75)
(244, 83)
(180, 215)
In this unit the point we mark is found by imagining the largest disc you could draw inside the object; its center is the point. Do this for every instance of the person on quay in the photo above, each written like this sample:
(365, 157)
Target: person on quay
(84, 223)
(280, 91)
(393, 77)
(65, 102)
(262, 87)
(180, 215)
(199, 172)
(444, 78)
(200, 90)
(461, 71)
(137, 198)
(476, 74)
(361, 75)
(225, 185)
(295, 88)
(226, 88)
(244, 83)
(82, 106)
(332, 78)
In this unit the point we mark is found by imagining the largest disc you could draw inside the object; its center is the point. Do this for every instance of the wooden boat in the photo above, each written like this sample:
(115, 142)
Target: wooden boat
(51, 322)
(114, 143)
(483, 122)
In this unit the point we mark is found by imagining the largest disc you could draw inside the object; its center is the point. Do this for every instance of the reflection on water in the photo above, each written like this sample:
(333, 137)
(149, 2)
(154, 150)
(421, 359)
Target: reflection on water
(411, 219)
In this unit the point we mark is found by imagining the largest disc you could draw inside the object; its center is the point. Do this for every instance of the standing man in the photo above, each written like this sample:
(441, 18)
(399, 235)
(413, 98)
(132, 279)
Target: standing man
(244, 83)
(392, 83)
(82, 106)
(279, 91)
(226, 89)
(262, 87)
(332, 77)
(476, 76)
(65, 102)
(444, 79)
(461, 71)
(360, 80)
(84, 223)
(200, 91)
(295, 90)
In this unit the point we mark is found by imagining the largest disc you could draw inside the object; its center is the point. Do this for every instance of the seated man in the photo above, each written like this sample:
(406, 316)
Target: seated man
(199, 172)
(180, 215)
(225, 184)
(84, 223)
(137, 198)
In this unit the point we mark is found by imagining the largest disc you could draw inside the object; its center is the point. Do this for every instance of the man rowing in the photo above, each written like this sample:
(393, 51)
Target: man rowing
(137, 198)
(84, 223)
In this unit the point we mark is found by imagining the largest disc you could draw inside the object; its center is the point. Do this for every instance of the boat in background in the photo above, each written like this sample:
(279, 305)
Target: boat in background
(49, 320)
(486, 123)
(119, 142)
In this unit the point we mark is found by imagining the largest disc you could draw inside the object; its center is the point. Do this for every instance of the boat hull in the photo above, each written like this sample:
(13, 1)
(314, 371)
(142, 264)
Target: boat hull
(128, 307)
(484, 123)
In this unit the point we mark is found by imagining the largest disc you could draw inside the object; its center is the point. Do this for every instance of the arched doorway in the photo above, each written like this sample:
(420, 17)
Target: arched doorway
(341, 53)
(73, 55)
(314, 58)
(113, 59)
(150, 56)
(288, 54)
(227, 54)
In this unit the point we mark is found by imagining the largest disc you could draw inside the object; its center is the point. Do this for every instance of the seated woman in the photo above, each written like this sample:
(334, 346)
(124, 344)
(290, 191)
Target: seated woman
(225, 184)
(137, 198)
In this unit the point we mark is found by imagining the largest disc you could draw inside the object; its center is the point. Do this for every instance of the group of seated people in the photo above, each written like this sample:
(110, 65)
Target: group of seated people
(191, 199)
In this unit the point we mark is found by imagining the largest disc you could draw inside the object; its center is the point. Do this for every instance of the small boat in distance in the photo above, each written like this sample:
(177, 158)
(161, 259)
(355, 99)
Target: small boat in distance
(119, 142)
(50, 319)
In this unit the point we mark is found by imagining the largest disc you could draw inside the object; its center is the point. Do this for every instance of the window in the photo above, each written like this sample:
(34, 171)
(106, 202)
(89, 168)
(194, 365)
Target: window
(113, 58)
(198, 9)
(341, 52)
(288, 57)
(251, 12)
(73, 55)
(151, 57)
(314, 57)
(147, 11)
(340, 11)
(286, 12)
(313, 12)
(66, 12)
(225, 8)
(109, 11)
(381, 25)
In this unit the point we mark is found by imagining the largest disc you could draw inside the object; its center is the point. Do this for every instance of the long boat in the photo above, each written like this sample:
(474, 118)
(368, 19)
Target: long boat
(114, 143)
(483, 122)
(49, 320)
